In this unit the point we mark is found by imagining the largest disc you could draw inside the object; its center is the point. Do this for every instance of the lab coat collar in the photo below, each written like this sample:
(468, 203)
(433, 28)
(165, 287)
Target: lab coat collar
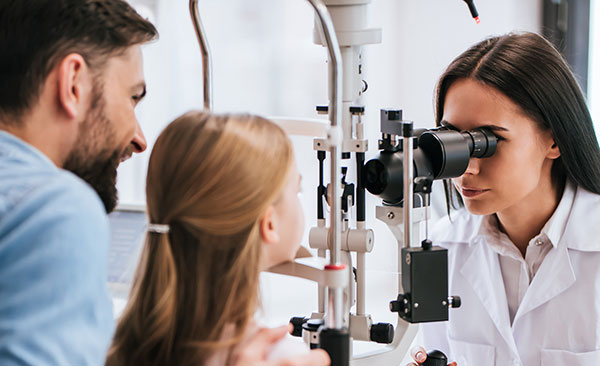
(555, 275)
(555, 227)
(581, 231)
(569, 230)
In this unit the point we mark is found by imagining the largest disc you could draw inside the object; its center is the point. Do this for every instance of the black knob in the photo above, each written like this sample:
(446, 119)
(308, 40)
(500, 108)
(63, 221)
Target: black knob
(400, 305)
(435, 358)
(382, 333)
(297, 323)
(454, 302)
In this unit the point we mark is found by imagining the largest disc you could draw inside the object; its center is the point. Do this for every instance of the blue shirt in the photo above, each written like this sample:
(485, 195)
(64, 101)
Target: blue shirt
(55, 308)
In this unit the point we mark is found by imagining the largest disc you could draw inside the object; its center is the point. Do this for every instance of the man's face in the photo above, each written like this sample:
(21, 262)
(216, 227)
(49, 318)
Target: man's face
(110, 132)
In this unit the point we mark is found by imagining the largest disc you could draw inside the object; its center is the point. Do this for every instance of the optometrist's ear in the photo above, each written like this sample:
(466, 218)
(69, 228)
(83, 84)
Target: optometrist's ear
(268, 227)
(75, 85)
(554, 151)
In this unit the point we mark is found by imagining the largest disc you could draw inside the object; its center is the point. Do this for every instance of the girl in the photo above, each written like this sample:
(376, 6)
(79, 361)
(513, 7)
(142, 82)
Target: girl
(223, 205)
(525, 254)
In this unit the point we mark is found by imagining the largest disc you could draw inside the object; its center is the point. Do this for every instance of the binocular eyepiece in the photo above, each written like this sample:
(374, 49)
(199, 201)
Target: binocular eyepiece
(439, 153)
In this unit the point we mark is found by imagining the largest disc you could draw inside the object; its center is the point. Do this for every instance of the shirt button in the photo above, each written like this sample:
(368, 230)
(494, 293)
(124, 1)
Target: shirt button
(538, 242)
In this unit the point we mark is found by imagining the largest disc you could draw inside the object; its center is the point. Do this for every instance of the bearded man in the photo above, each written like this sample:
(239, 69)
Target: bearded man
(71, 76)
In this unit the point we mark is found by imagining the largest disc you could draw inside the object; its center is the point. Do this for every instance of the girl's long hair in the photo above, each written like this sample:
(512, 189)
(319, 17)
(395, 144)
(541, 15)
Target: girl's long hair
(531, 72)
(210, 178)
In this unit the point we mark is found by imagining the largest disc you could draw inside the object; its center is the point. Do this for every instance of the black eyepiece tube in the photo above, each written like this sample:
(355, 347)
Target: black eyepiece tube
(482, 142)
(442, 153)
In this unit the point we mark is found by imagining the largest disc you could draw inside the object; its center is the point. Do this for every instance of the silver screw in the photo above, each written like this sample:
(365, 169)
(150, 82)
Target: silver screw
(416, 305)
(444, 303)
(391, 215)
(407, 258)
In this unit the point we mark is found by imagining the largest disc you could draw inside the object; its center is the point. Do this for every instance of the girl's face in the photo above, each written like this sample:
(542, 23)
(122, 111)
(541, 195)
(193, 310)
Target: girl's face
(286, 221)
(518, 174)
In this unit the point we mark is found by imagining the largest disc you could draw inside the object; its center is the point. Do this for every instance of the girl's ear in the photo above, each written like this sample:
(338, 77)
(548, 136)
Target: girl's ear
(268, 227)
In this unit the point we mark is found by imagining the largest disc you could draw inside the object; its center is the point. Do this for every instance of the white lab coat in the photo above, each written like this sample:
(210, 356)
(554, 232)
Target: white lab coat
(558, 320)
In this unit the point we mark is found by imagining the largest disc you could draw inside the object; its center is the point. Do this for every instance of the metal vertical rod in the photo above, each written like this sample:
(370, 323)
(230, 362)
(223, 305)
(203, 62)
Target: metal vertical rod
(361, 283)
(335, 115)
(407, 146)
(322, 295)
(206, 55)
(334, 319)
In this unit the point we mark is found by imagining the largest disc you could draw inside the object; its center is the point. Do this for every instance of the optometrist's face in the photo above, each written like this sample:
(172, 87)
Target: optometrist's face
(519, 172)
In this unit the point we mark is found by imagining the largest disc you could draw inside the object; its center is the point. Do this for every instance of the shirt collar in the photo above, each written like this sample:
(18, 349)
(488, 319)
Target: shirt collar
(13, 147)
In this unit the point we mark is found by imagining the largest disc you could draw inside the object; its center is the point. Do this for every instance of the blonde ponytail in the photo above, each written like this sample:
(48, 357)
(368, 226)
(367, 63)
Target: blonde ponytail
(210, 178)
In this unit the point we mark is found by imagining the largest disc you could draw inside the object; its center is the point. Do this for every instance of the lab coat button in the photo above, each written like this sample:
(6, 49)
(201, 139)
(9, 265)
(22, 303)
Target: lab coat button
(538, 242)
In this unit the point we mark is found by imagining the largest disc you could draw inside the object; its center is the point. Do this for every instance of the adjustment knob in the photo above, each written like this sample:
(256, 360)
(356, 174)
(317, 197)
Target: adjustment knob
(401, 305)
(435, 358)
(297, 323)
(454, 302)
(382, 333)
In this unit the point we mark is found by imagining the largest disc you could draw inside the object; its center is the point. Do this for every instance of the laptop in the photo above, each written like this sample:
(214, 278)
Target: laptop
(128, 232)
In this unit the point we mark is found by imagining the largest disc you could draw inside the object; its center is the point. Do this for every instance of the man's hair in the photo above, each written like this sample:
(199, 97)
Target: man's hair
(36, 35)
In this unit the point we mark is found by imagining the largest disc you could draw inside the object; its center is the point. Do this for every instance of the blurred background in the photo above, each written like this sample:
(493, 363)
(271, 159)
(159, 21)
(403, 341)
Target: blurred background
(264, 62)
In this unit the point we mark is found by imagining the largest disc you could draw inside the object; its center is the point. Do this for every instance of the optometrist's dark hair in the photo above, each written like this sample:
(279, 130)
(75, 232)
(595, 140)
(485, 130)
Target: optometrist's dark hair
(36, 35)
(531, 72)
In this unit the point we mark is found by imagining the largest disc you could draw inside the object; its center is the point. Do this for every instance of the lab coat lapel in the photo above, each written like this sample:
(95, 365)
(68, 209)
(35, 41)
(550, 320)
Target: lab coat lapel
(482, 271)
(554, 276)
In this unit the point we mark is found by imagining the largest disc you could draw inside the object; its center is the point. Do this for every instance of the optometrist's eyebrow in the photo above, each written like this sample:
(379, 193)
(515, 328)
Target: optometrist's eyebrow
(449, 125)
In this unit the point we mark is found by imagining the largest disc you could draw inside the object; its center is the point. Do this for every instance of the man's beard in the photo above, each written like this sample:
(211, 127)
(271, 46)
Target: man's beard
(91, 159)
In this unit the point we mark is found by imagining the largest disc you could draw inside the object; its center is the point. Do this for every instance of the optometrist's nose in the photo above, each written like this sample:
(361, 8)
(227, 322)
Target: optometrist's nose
(139, 140)
(473, 167)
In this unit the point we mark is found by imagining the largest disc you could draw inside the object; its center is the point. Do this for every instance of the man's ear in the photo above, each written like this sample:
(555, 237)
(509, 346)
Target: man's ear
(268, 227)
(74, 85)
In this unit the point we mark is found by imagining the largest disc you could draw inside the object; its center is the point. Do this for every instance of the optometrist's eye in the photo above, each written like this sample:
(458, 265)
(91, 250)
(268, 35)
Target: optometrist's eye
(500, 138)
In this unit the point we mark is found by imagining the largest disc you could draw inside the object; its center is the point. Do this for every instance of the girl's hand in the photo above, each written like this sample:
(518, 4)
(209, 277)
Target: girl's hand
(254, 351)
(419, 355)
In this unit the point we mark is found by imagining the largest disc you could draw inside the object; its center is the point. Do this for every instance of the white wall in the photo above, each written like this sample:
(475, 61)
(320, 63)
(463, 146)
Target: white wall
(265, 62)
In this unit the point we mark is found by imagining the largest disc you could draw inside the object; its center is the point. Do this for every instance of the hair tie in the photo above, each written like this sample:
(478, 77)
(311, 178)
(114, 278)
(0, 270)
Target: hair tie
(158, 228)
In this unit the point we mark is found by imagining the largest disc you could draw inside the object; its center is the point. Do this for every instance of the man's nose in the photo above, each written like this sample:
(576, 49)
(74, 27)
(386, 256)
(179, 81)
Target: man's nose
(139, 140)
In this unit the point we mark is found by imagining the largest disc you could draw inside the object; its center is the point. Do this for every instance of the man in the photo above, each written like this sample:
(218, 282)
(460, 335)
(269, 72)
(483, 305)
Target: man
(70, 77)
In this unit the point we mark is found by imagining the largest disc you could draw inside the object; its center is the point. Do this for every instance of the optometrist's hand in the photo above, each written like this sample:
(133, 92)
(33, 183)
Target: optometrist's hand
(419, 355)
(254, 351)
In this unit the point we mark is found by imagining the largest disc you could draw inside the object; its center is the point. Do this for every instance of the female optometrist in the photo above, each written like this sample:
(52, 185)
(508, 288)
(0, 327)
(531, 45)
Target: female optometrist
(525, 254)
